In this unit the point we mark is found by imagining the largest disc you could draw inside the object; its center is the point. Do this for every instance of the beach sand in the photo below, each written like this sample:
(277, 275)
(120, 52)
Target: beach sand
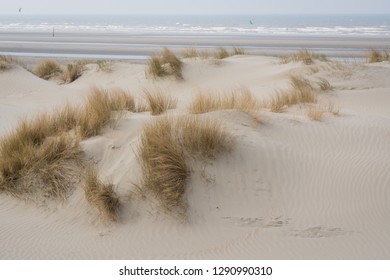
(291, 188)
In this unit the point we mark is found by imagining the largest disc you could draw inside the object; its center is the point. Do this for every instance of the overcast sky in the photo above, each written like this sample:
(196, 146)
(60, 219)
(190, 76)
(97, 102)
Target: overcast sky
(193, 6)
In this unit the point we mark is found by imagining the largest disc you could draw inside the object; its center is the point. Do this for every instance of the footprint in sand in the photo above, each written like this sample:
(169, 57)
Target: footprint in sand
(257, 222)
(319, 232)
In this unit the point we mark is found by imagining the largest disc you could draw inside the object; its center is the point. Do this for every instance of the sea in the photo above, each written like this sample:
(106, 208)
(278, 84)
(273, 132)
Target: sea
(136, 37)
(279, 25)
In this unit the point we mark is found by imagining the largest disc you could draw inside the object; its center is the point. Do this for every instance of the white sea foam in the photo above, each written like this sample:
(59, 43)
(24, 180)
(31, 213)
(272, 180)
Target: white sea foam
(262, 25)
(335, 31)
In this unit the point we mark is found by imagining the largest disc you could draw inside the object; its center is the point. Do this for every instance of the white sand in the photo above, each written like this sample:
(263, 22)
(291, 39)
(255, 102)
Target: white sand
(292, 188)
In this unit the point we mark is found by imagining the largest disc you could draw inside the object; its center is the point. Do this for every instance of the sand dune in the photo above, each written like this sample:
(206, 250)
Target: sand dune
(291, 188)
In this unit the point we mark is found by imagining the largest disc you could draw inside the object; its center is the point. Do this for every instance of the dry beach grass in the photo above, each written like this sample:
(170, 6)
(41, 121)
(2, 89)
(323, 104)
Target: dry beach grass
(47, 69)
(301, 91)
(165, 64)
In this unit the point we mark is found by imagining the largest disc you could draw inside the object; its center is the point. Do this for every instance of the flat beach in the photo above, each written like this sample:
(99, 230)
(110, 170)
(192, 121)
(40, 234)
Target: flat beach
(141, 46)
(301, 180)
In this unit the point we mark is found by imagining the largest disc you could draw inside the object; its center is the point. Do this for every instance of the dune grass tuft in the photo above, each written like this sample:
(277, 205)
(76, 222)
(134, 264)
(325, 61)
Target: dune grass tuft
(280, 101)
(238, 51)
(205, 102)
(89, 119)
(167, 64)
(318, 112)
(17, 148)
(221, 53)
(165, 170)
(155, 67)
(374, 56)
(33, 168)
(121, 100)
(284, 59)
(158, 101)
(65, 119)
(208, 101)
(303, 87)
(165, 147)
(101, 195)
(47, 69)
(142, 105)
(377, 56)
(175, 64)
(304, 55)
(240, 99)
(315, 113)
(301, 92)
(203, 138)
(20, 148)
(6, 62)
(73, 72)
(104, 66)
(324, 84)
(96, 113)
(190, 53)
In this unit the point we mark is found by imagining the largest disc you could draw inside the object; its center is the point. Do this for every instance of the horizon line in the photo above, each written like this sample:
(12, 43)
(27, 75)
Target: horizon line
(198, 14)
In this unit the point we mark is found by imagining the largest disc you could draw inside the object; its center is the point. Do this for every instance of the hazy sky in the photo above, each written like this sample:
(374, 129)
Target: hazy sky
(193, 6)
